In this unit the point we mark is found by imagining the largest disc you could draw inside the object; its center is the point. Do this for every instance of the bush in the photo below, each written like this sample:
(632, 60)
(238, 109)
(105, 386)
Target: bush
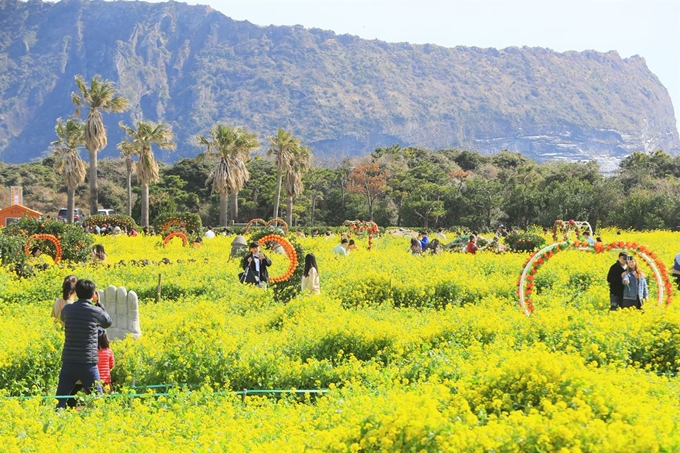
(524, 242)
(76, 244)
(118, 220)
(168, 223)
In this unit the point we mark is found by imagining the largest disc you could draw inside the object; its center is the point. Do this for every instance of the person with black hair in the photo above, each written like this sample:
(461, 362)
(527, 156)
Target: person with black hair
(254, 266)
(416, 248)
(106, 360)
(675, 270)
(99, 254)
(341, 248)
(615, 283)
(82, 320)
(310, 277)
(68, 296)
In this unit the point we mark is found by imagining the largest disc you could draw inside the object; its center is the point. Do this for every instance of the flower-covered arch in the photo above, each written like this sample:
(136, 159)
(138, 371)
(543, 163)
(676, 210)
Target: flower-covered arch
(44, 237)
(360, 227)
(534, 263)
(290, 252)
(176, 234)
(577, 226)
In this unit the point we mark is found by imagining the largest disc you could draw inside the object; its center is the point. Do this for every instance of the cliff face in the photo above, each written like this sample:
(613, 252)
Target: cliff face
(193, 67)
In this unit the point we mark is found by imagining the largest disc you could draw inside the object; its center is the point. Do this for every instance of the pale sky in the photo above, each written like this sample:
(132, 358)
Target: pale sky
(648, 28)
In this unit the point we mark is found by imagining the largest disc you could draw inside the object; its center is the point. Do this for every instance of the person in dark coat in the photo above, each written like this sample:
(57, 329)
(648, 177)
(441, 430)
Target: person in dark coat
(615, 283)
(254, 266)
(82, 320)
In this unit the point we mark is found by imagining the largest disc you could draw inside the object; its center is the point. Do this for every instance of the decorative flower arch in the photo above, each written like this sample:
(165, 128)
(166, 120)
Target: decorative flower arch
(168, 223)
(45, 237)
(360, 227)
(560, 226)
(534, 263)
(176, 234)
(290, 252)
(265, 223)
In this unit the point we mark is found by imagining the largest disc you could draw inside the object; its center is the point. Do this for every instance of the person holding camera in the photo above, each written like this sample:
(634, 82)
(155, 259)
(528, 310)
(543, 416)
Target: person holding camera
(675, 271)
(82, 320)
(635, 290)
(615, 283)
(254, 266)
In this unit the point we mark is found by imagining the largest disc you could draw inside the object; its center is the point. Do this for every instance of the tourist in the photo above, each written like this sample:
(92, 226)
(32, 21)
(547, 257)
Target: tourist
(351, 245)
(635, 290)
(472, 245)
(133, 232)
(424, 240)
(341, 248)
(210, 233)
(588, 238)
(82, 319)
(254, 266)
(106, 361)
(676, 269)
(98, 254)
(440, 234)
(310, 277)
(614, 279)
(68, 296)
(416, 248)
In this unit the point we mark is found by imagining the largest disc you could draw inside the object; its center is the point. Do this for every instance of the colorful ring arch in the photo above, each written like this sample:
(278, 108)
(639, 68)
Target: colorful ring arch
(46, 237)
(175, 235)
(290, 252)
(265, 223)
(560, 226)
(358, 226)
(533, 264)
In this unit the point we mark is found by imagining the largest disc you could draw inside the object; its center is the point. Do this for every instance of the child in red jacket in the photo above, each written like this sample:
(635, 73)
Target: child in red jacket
(106, 361)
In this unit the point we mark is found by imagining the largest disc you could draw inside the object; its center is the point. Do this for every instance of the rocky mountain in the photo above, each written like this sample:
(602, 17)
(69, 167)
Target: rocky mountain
(193, 67)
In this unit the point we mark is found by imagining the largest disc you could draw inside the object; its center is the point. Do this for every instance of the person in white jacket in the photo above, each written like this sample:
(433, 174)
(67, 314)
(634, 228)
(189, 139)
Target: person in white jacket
(310, 277)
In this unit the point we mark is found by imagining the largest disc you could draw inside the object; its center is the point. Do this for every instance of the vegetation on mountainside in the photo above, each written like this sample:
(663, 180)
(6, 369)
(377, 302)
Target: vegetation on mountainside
(192, 67)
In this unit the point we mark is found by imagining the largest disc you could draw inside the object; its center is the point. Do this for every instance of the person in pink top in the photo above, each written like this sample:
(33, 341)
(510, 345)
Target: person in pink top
(106, 361)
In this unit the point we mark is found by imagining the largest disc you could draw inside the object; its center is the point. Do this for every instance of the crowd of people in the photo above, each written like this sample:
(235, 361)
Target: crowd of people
(87, 359)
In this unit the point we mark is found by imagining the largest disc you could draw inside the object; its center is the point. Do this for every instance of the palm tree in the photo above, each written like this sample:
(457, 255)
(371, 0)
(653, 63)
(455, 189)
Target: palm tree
(281, 146)
(147, 134)
(300, 158)
(127, 150)
(71, 135)
(230, 147)
(246, 142)
(99, 97)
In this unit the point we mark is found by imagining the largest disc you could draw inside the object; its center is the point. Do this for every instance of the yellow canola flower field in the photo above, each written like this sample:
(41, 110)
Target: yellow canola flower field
(417, 353)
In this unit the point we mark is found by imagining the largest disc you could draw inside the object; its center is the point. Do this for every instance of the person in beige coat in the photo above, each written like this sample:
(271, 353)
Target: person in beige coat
(310, 278)
(68, 296)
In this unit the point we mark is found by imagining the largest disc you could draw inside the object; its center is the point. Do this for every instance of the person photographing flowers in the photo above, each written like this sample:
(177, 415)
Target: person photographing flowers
(254, 266)
(82, 320)
(635, 290)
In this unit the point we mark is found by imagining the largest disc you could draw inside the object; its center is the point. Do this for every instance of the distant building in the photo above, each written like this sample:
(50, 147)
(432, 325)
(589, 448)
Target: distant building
(16, 212)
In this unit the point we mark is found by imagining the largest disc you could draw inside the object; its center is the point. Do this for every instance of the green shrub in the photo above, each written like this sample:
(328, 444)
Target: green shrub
(118, 220)
(524, 242)
(76, 244)
(168, 223)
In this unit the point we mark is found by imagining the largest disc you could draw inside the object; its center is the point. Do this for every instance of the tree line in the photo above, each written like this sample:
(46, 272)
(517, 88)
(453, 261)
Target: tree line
(404, 186)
